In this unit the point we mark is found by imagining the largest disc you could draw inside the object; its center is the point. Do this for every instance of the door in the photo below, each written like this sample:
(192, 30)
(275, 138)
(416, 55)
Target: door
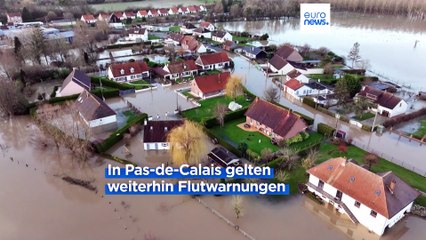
(339, 195)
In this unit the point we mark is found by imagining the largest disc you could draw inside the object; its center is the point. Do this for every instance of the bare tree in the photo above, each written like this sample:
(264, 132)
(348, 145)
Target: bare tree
(11, 98)
(267, 154)
(310, 159)
(272, 94)
(9, 65)
(354, 54)
(371, 159)
(220, 111)
(237, 206)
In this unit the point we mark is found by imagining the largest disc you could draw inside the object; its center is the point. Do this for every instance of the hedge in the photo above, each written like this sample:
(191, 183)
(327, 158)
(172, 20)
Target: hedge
(109, 83)
(116, 136)
(106, 93)
(325, 130)
(62, 99)
(309, 101)
(326, 111)
(307, 119)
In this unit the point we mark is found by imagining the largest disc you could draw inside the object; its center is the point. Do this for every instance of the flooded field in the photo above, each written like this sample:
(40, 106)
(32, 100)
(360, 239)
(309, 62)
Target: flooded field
(120, 6)
(39, 205)
(387, 42)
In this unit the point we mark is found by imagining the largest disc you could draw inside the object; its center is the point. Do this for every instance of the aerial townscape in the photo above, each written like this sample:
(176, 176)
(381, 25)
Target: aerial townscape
(339, 115)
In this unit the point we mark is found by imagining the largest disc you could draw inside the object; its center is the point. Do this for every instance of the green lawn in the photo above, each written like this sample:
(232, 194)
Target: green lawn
(422, 130)
(239, 38)
(365, 116)
(235, 135)
(313, 139)
(327, 79)
(174, 29)
(206, 110)
(153, 37)
(130, 115)
(328, 151)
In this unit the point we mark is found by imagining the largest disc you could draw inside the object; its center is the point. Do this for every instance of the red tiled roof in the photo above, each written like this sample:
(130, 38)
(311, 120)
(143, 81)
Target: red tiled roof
(205, 24)
(14, 14)
(184, 9)
(283, 122)
(368, 188)
(294, 84)
(88, 17)
(143, 12)
(385, 99)
(214, 58)
(163, 11)
(212, 83)
(198, 8)
(190, 42)
(129, 14)
(183, 66)
(192, 9)
(135, 30)
(138, 68)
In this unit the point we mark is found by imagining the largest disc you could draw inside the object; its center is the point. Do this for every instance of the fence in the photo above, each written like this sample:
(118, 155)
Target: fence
(390, 158)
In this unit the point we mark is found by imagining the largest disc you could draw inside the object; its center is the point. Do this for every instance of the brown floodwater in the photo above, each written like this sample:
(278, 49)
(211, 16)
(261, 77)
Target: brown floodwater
(37, 204)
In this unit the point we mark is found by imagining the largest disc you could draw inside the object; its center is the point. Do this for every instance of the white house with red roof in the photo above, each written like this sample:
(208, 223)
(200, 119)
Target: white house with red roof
(207, 25)
(180, 69)
(296, 89)
(128, 72)
(184, 10)
(192, 9)
(129, 15)
(14, 17)
(387, 103)
(377, 201)
(163, 12)
(208, 86)
(142, 14)
(88, 18)
(103, 17)
(221, 36)
(174, 11)
(211, 61)
(138, 34)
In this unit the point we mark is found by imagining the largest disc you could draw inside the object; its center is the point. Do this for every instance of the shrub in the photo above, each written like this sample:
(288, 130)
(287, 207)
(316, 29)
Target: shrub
(309, 101)
(113, 84)
(106, 93)
(53, 94)
(295, 139)
(62, 99)
(325, 130)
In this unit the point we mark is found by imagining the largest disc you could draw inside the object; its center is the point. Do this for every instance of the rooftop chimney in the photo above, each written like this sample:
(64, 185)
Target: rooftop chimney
(165, 129)
(145, 122)
(392, 186)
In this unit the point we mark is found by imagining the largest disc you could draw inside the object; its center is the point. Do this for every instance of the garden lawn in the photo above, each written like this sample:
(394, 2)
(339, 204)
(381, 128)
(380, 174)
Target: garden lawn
(313, 140)
(365, 116)
(239, 38)
(234, 135)
(174, 29)
(422, 129)
(153, 37)
(328, 151)
(328, 79)
(206, 110)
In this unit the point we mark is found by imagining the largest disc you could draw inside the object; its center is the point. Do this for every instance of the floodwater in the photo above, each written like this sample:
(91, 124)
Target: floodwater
(126, 54)
(37, 204)
(386, 41)
(121, 6)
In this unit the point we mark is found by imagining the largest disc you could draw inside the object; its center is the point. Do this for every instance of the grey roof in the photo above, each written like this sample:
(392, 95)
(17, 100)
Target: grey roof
(157, 131)
(252, 50)
(78, 77)
(222, 156)
(219, 34)
(91, 107)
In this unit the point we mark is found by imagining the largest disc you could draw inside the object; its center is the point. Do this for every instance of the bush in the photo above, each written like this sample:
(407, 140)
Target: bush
(62, 99)
(228, 117)
(106, 93)
(116, 136)
(297, 138)
(309, 101)
(113, 84)
(325, 130)
(53, 94)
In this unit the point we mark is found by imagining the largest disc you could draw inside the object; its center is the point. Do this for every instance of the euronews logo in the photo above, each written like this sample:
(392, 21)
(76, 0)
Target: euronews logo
(314, 16)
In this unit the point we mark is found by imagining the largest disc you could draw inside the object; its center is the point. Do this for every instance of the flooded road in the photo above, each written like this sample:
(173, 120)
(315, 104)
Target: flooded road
(37, 204)
(387, 42)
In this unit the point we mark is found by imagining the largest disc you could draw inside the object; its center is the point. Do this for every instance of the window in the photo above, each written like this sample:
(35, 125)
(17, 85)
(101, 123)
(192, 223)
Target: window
(373, 213)
(357, 204)
(320, 184)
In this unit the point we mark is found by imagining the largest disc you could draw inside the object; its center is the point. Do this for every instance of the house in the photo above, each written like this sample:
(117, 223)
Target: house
(296, 74)
(189, 43)
(174, 38)
(207, 25)
(103, 17)
(142, 14)
(192, 9)
(253, 52)
(273, 121)
(129, 15)
(88, 18)
(388, 104)
(174, 11)
(221, 36)
(296, 89)
(95, 112)
(289, 53)
(14, 18)
(280, 66)
(155, 134)
(208, 86)
(75, 83)
(213, 61)
(377, 201)
(180, 69)
(202, 33)
(223, 157)
(138, 34)
(184, 10)
(163, 12)
(119, 15)
(187, 28)
(115, 20)
(202, 8)
(128, 72)
(229, 46)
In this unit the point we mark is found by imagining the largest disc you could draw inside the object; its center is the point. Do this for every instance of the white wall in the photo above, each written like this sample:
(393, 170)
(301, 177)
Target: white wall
(156, 146)
(401, 108)
(103, 121)
(70, 89)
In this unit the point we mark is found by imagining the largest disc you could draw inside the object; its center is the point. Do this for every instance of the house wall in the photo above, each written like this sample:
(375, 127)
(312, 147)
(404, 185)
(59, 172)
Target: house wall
(284, 70)
(204, 35)
(312, 71)
(401, 108)
(103, 121)
(266, 130)
(71, 89)
(135, 37)
(376, 224)
(214, 66)
(156, 146)
(127, 78)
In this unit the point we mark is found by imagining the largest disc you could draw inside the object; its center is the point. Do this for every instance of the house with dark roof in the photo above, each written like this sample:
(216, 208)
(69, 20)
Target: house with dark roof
(202, 33)
(221, 36)
(211, 61)
(229, 46)
(284, 60)
(387, 103)
(187, 28)
(75, 83)
(88, 18)
(208, 86)
(289, 53)
(174, 38)
(95, 112)
(138, 34)
(296, 74)
(128, 72)
(155, 134)
(273, 121)
(14, 17)
(253, 52)
(223, 157)
(377, 201)
(180, 69)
